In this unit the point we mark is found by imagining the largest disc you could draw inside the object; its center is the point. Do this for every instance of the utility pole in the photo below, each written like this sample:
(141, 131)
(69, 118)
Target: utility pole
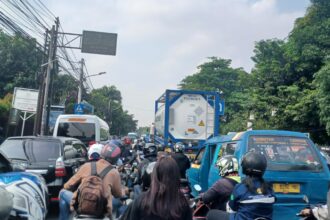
(81, 80)
(51, 59)
(53, 72)
(37, 119)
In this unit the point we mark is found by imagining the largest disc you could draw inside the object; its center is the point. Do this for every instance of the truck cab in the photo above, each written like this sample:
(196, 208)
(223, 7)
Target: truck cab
(296, 170)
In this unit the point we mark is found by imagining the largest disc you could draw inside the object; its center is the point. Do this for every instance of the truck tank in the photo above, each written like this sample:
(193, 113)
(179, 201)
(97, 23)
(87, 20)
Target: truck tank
(191, 117)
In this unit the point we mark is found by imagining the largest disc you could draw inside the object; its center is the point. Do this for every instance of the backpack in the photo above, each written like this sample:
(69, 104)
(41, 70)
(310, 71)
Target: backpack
(90, 199)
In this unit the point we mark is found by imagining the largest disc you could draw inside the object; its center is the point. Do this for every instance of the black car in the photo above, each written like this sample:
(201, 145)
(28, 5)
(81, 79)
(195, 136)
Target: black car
(55, 158)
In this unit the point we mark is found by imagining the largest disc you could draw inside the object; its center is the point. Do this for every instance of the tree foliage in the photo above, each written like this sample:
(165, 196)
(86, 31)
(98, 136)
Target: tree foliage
(109, 107)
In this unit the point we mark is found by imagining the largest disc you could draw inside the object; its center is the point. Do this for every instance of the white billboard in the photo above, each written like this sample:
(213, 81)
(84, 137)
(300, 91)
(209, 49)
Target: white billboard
(25, 99)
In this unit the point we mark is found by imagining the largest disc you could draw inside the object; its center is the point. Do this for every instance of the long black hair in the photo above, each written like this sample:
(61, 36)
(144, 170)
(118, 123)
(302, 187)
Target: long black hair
(249, 181)
(164, 198)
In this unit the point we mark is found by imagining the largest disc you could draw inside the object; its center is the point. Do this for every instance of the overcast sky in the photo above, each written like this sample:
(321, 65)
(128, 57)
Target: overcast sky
(162, 41)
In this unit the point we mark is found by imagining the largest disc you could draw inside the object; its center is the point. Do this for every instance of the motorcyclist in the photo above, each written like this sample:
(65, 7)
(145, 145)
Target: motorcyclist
(219, 194)
(253, 198)
(94, 152)
(150, 152)
(111, 182)
(181, 159)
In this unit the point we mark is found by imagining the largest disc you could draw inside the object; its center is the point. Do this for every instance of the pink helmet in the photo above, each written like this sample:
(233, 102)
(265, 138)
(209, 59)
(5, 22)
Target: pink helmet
(111, 153)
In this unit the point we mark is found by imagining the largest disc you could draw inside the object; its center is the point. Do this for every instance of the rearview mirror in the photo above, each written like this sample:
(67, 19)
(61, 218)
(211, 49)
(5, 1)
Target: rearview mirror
(197, 187)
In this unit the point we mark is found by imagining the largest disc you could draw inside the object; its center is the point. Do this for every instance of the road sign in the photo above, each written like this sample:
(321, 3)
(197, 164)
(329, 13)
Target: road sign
(25, 99)
(79, 109)
(222, 107)
(99, 43)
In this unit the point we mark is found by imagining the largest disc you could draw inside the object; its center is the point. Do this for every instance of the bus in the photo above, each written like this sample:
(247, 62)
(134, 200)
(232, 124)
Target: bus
(90, 129)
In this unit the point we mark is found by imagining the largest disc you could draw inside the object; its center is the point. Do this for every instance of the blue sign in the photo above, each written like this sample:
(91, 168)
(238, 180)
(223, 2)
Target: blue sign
(222, 107)
(79, 109)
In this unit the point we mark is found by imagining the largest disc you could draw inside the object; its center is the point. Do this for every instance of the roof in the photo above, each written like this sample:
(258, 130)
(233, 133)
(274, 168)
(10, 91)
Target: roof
(240, 135)
(62, 139)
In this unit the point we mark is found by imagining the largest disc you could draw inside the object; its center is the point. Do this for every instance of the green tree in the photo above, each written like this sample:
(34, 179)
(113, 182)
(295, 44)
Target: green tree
(107, 102)
(20, 62)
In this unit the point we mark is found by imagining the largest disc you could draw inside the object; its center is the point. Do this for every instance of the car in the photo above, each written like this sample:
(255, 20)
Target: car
(55, 158)
(296, 170)
(30, 194)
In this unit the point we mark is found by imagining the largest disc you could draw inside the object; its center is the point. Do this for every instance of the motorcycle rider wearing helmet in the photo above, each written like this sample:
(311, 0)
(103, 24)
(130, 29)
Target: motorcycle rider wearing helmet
(181, 159)
(252, 198)
(219, 194)
(150, 152)
(111, 182)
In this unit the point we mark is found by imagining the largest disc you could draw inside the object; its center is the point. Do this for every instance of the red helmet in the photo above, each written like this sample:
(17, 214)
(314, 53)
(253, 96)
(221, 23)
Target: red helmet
(111, 153)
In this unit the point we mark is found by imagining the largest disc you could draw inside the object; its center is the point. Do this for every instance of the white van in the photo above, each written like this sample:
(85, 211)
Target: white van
(87, 128)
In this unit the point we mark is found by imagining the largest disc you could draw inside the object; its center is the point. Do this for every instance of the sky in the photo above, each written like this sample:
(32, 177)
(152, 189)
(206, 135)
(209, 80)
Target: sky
(162, 41)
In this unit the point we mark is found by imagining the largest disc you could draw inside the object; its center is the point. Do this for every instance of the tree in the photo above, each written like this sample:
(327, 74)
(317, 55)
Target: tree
(20, 62)
(107, 102)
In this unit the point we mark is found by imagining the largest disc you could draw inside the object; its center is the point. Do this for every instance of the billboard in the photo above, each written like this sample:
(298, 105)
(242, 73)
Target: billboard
(99, 43)
(25, 99)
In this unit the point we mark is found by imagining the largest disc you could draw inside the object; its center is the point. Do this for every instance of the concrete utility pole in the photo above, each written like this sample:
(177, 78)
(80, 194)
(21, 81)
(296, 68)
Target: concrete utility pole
(51, 59)
(81, 80)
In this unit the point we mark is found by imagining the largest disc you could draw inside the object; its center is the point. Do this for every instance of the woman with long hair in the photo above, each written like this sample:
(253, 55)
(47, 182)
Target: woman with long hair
(163, 200)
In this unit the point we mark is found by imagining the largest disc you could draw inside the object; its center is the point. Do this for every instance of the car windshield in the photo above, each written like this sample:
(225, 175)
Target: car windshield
(286, 153)
(82, 131)
(32, 150)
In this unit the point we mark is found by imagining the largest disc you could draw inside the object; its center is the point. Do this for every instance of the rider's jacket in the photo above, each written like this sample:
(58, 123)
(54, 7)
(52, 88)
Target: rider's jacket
(111, 182)
(251, 205)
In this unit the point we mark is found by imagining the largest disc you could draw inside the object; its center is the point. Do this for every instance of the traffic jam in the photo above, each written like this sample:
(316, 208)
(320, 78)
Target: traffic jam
(41, 173)
(165, 110)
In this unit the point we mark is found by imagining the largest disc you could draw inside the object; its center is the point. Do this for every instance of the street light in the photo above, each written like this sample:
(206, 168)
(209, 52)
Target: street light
(81, 79)
(100, 73)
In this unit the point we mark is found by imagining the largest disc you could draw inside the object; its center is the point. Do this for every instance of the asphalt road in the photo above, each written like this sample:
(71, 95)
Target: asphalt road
(53, 212)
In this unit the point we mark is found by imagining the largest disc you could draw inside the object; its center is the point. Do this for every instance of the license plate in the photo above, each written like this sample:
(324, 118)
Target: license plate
(286, 188)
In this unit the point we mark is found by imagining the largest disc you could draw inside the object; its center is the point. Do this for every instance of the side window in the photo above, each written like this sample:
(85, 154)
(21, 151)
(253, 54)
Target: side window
(68, 151)
(80, 150)
(104, 135)
(227, 149)
(199, 157)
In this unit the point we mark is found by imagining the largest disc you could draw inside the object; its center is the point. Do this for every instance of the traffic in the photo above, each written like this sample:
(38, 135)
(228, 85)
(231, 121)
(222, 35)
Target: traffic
(167, 110)
(92, 176)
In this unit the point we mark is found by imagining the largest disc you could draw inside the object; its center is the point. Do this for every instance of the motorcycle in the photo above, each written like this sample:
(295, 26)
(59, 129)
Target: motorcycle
(200, 209)
(29, 192)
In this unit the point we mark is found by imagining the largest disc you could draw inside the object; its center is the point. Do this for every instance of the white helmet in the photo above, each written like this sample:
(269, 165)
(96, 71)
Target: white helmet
(94, 152)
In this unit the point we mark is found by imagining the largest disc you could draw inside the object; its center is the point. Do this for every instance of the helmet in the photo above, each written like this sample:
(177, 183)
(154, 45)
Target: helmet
(146, 174)
(178, 147)
(227, 164)
(111, 153)
(94, 151)
(150, 148)
(254, 164)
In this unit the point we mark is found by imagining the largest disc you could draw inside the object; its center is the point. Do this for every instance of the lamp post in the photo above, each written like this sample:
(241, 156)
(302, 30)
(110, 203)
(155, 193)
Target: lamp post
(82, 79)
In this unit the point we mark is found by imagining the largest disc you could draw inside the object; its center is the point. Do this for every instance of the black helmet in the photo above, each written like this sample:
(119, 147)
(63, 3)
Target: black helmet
(150, 148)
(254, 164)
